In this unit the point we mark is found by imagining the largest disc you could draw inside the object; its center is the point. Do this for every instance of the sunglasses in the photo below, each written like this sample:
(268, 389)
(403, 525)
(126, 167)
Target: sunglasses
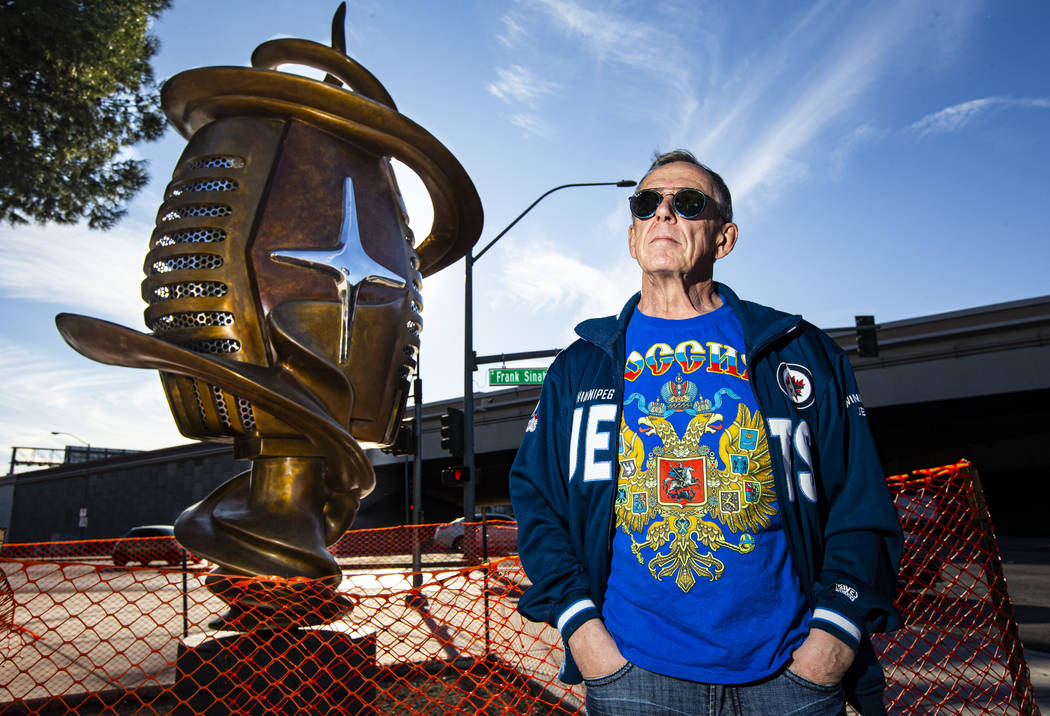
(687, 203)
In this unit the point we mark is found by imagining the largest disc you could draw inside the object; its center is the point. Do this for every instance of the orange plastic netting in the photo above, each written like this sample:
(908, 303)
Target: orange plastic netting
(78, 632)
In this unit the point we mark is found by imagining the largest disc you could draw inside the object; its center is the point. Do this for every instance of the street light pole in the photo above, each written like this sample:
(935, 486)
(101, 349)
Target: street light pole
(470, 358)
(86, 443)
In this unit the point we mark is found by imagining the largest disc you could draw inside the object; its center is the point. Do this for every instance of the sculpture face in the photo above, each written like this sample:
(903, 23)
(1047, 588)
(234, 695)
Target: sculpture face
(281, 245)
(283, 288)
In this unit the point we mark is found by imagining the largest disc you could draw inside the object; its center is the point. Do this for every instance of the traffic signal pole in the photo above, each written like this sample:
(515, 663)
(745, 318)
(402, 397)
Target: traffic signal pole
(469, 366)
(417, 482)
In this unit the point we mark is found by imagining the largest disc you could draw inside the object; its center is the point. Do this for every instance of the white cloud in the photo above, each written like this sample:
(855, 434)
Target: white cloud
(649, 48)
(758, 74)
(823, 99)
(550, 278)
(533, 124)
(957, 116)
(610, 38)
(777, 147)
(104, 405)
(517, 85)
(513, 30)
(616, 220)
(864, 134)
(78, 269)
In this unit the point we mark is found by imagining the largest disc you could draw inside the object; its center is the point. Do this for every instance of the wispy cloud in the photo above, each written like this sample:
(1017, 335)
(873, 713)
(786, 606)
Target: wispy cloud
(104, 405)
(517, 85)
(513, 30)
(76, 268)
(846, 70)
(862, 135)
(958, 116)
(757, 75)
(550, 278)
(519, 88)
(627, 42)
(609, 37)
(533, 124)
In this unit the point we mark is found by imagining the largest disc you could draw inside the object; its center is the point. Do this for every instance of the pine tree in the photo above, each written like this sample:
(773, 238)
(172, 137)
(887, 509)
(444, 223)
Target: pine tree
(76, 90)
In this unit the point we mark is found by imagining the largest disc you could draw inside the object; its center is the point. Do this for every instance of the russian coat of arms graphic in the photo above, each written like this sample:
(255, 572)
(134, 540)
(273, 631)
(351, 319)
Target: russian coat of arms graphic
(682, 481)
(689, 502)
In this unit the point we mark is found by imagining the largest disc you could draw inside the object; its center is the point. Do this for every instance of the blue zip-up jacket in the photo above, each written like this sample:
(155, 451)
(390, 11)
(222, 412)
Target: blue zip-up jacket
(840, 523)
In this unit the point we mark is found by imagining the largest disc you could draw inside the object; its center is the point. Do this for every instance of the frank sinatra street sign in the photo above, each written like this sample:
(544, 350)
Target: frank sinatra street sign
(516, 376)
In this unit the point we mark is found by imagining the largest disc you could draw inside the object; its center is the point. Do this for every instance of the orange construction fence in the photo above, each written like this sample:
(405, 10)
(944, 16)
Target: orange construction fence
(434, 629)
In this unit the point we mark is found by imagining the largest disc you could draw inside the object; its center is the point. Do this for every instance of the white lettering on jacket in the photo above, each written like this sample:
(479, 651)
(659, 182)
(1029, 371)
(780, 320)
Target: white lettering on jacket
(593, 431)
(803, 441)
(585, 396)
(795, 443)
(853, 399)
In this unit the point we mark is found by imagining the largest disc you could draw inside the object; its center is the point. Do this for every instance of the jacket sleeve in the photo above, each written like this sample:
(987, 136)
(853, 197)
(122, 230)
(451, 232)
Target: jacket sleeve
(856, 585)
(539, 489)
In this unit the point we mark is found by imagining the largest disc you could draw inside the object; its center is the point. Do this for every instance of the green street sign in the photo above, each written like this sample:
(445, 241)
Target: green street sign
(516, 376)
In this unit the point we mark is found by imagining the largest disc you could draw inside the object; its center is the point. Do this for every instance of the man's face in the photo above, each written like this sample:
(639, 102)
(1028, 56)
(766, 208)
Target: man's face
(667, 245)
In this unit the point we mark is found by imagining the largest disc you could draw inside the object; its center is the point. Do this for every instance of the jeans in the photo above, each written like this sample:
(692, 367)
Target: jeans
(633, 691)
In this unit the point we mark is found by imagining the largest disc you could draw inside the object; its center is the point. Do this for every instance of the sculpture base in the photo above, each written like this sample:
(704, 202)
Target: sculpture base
(292, 671)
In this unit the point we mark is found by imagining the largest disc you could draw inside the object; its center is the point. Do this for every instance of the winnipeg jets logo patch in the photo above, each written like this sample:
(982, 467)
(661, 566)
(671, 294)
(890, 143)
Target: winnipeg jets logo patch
(796, 382)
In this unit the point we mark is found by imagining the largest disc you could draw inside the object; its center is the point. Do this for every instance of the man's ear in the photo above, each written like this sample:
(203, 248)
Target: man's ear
(630, 241)
(726, 240)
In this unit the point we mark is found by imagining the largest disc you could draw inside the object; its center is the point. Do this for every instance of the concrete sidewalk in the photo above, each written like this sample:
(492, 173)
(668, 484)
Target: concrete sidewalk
(1039, 668)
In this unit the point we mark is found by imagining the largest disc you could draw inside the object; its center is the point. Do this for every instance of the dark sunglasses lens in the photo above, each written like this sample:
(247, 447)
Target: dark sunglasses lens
(689, 202)
(644, 203)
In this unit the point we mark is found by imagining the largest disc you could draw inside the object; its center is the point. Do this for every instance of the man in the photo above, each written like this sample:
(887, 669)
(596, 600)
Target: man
(701, 510)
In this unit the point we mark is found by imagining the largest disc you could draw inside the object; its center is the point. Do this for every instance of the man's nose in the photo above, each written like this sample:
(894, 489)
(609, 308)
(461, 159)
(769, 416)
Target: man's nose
(665, 210)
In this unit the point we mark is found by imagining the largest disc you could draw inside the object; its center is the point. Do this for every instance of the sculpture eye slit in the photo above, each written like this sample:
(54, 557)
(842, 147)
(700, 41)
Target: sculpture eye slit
(204, 235)
(211, 210)
(187, 262)
(206, 184)
(214, 162)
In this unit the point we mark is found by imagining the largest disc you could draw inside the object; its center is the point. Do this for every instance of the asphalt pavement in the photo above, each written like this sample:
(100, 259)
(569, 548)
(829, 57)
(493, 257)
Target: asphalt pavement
(1026, 563)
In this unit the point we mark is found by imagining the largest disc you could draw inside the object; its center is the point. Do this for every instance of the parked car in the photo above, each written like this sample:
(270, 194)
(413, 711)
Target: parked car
(502, 531)
(502, 539)
(150, 543)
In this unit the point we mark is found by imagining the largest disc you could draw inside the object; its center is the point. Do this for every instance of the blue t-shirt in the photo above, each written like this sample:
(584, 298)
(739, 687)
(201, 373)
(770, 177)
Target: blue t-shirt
(702, 586)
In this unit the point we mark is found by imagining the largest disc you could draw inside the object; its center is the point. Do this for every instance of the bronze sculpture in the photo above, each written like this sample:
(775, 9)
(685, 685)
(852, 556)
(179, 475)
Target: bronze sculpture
(283, 288)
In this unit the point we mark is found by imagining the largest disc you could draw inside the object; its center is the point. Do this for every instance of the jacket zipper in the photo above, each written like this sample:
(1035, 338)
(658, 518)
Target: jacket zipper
(611, 514)
(616, 480)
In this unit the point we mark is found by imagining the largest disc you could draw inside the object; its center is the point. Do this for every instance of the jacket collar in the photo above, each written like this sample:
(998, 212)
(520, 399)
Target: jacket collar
(762, 325)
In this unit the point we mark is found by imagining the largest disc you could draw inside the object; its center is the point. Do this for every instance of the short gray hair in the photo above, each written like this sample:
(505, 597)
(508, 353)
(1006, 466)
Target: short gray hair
(723, 199)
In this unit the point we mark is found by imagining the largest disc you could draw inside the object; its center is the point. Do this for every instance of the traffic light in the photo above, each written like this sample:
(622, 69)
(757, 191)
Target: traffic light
(455, 475)
(405, 442)
(867, 338)
(452, 432)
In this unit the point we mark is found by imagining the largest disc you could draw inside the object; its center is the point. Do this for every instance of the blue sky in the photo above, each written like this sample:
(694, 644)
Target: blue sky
(885, 158)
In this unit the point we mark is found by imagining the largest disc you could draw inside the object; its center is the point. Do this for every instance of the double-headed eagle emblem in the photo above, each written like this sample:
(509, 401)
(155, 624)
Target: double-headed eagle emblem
(686, 498)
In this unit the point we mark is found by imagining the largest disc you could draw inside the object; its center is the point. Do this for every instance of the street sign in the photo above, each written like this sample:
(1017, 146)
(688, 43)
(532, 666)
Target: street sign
(516, 376)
